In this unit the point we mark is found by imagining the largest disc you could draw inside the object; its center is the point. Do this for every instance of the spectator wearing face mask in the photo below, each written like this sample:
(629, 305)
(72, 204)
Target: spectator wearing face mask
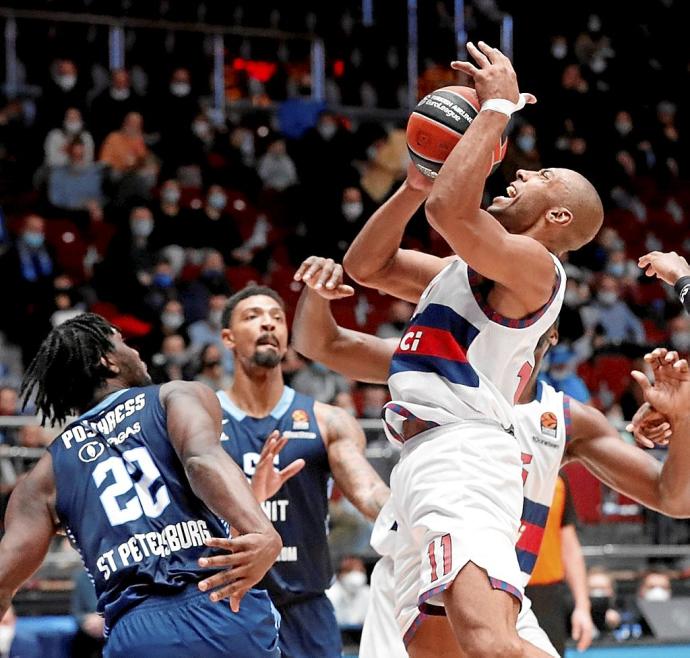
(522, 152)
(317, 381)
(161, 288)
(679, 331)
(211, 282)
(214, 226)
(67, 301)
(276, 168)
(173, 223)
(14, 643)
(206, 331)
(171, 362)
(211, 370)
(602, 599)
(618, 324)
(350, 592)
(399, 314)
(62, 91)
(176, 107)
(27, 269)
(562, 374)
(654, 587)
(58, 140)
(112, 106)
(75, 190)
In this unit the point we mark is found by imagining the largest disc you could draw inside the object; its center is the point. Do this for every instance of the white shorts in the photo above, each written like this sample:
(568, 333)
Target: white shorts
(457, 493)
(381, 635)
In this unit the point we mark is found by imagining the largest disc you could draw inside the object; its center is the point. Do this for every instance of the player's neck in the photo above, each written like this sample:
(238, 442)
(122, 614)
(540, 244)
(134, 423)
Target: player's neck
(257, 391)
(110, 387)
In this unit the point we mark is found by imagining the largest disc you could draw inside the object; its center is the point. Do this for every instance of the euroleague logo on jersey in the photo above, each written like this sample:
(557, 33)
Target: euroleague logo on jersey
(549, 424)
(300, 419)
(91, 451)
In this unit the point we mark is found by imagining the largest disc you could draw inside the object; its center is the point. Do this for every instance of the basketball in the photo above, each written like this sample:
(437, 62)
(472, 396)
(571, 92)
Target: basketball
(438, 123)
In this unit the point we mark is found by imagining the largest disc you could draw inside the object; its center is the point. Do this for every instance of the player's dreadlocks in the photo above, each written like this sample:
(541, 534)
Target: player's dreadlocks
(67, 369)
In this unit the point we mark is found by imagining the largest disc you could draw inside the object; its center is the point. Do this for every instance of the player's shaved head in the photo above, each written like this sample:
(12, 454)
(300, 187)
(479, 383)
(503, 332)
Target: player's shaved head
(583, 201)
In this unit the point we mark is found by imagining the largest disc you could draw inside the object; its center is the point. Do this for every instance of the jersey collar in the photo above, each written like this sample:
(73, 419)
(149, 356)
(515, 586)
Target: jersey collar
(277, 412)
(109, 399)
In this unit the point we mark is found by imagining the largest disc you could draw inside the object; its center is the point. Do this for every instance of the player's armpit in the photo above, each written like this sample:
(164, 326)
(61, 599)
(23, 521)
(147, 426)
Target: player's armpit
(354, 475)
(30, 523)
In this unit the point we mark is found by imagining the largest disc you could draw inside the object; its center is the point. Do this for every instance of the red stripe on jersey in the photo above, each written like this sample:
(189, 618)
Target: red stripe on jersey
(427, 341)
(530, 537)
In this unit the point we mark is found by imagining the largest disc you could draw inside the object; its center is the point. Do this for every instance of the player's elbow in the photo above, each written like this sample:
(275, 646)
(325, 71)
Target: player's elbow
(675, 504)
(439, 211)
(360, 269)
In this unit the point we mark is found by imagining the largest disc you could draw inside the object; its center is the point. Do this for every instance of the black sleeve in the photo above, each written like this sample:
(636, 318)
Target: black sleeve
(682, 288)
(569, 514)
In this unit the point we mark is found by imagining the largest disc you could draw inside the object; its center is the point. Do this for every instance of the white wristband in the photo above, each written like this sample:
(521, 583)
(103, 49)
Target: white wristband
(503, 105)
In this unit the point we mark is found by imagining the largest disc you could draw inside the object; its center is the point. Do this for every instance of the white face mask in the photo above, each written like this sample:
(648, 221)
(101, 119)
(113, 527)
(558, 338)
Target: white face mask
(180, 89)
(73, 127)
(352, 210)
(353, 580)
(607, 298)
(559, 50)
(6, 638)
(66, 82)
(657, 594)
(119, 94)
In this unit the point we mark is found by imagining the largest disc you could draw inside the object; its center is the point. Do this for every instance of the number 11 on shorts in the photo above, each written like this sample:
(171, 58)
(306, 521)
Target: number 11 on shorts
(446, 551)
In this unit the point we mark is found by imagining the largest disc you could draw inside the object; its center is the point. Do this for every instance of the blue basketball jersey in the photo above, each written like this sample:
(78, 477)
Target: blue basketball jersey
(299, 511)
(125, 502)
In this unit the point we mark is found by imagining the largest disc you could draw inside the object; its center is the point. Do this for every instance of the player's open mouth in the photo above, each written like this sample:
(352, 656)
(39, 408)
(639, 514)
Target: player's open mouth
(267, 341)
(512, 192)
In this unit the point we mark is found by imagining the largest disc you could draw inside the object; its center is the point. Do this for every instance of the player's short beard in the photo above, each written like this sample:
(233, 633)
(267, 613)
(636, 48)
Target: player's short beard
(266, 358)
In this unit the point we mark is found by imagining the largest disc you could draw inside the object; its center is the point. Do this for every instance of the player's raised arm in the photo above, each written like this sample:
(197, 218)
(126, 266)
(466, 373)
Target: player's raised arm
(375, 258)
(30, 523)
(316, 335)
(194, 427)
(354, 475)
(629, 469)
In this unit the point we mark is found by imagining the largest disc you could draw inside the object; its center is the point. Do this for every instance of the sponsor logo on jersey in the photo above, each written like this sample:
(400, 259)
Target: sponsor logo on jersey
(299, 435)
(91, 451)
(549, 424)
(300, 419)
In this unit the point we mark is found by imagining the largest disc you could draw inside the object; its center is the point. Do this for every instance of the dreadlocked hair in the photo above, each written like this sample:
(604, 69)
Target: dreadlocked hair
(67, 369)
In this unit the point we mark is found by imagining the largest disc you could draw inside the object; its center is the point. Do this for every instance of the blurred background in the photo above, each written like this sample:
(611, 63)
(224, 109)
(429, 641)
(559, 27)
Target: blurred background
(157, 155)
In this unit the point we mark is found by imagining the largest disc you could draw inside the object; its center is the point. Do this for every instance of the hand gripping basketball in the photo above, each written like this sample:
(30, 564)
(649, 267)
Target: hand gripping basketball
(494, 79)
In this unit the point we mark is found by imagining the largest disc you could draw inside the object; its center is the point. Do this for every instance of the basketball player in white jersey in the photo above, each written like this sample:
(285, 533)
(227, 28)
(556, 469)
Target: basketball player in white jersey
(551, 429)
(466, 357)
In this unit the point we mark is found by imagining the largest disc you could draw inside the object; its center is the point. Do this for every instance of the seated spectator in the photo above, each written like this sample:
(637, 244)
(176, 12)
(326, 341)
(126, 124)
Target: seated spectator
(345, 401)
(65, 89)
(76, 188)
(59, 139)
(617, 322)
(562, 374)
(15, 644)
(171, 362)
(197, 295)
(173, 224)
(214, 227)
(89, 641)
(350, 593)
(124, 150)
(655, 586)
(207, 331)
(67, 301)
(602, 597)
(679, 330)
(161, 288)
(522, 151)
(399, 314)
(34, 436)
(373, 400)
(317, 381)
(211, 370)
(111, 106)
(171, 320)
(276, 168)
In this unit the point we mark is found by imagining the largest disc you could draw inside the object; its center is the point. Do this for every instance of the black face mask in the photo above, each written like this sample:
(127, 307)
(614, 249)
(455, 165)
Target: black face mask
(600, 604)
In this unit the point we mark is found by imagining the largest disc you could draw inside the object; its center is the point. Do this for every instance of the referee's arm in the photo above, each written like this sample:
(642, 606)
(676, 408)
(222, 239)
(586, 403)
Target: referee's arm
(672, 269)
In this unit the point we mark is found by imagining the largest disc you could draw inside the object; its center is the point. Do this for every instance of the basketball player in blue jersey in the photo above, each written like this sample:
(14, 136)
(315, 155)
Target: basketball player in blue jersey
(581, 433)
(144, 491)
(326, 439)
(467, 355)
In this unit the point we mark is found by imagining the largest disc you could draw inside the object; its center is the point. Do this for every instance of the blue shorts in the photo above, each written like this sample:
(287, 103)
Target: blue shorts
(308, 629)
(189, 625)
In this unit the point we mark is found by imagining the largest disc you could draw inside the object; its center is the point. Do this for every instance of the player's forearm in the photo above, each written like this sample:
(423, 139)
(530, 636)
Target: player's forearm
(682, 287)
(574, 567)
(358, 480)
(374, 249)
(458, 189)
(674, 479)
(221, 485)
(314, 330)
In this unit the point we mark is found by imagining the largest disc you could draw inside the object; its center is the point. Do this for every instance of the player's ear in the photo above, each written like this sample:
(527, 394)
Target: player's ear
(228, 338)
(559, 215)
(110, 364)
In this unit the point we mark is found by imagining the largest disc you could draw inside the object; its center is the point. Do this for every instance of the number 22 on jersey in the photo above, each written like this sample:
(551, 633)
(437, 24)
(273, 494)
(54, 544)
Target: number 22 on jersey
(142, 500)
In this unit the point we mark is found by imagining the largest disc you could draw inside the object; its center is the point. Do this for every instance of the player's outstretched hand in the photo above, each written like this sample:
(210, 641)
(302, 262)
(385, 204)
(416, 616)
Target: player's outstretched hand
(668, 267)
(493, 75)
(649, 427)
(267, 480)
(670, 393)
(246, 561)
(324, 276)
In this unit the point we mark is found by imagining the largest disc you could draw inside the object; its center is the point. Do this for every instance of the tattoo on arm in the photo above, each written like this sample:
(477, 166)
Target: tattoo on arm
(355, 476)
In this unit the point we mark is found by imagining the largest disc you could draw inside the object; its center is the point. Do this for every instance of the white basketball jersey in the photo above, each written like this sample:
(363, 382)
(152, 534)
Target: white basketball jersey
(542, 429)
(459, 359)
